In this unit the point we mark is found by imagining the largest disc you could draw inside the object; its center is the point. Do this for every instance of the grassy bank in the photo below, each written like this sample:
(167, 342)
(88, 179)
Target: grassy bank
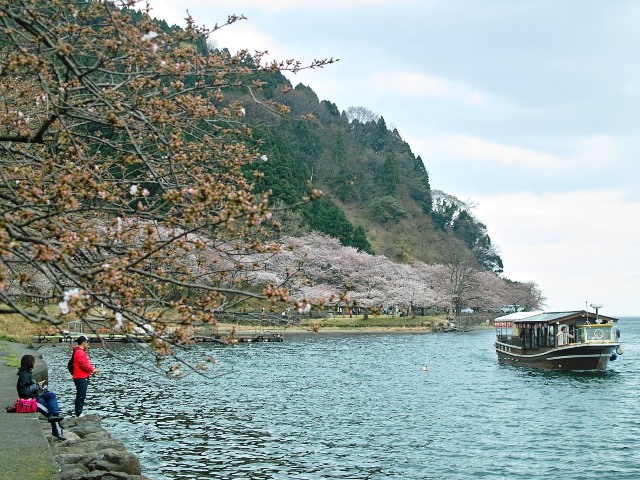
(16, 328)
(374, 322)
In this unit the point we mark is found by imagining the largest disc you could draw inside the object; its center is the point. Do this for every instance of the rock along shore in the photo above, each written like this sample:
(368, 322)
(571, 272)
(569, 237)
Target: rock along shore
(29, 450)
(89, 452)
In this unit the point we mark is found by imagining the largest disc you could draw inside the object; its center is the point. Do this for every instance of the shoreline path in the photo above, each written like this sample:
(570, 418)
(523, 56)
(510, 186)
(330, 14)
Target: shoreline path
(25, 452)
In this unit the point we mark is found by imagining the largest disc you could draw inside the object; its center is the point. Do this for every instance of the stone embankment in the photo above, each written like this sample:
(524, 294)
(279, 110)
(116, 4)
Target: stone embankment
(89, 452)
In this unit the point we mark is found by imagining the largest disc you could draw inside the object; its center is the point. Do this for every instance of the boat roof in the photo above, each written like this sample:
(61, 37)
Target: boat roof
(554, 317)
(518, 315)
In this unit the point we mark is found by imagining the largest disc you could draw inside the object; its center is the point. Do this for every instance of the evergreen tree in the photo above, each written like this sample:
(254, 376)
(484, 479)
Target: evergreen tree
(380, 134)
(360, 241)
(389, 175)
(325, 216)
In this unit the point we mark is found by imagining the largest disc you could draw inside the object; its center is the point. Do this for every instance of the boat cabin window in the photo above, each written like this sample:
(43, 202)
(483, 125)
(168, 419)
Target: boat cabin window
(533, 335)
(527, 340)
(544, 335)
(595, 333)
(504, 331)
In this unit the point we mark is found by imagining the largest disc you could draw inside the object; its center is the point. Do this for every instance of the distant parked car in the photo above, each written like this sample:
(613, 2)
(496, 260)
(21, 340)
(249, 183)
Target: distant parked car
(512, 308)
(466, 310)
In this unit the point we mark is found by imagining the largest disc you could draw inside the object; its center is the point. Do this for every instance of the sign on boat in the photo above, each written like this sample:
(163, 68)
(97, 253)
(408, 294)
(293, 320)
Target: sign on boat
(575, 340)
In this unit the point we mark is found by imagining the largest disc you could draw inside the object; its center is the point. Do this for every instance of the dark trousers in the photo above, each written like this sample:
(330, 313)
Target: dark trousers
(81, 393)
(48, 404)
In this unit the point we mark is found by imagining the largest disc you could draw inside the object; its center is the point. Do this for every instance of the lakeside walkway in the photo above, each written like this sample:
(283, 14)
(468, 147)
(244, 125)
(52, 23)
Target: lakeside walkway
(25, 453)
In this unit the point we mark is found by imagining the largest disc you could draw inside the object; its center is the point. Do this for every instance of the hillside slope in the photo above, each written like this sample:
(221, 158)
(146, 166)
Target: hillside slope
(378, 196)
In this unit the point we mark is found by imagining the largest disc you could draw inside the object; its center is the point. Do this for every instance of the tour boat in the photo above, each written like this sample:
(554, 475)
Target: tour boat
(536, 339)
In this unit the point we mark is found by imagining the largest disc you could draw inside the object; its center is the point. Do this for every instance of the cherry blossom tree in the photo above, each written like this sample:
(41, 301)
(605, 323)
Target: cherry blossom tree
(460, 273)
(320, 270)
(490, 291)
(125, 191)
(527, 295)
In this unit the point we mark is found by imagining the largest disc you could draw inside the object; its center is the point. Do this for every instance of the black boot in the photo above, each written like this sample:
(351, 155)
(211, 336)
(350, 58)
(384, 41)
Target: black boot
(57, 430)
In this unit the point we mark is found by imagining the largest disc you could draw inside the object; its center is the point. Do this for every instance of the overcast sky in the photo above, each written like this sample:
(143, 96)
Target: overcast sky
(529, 109)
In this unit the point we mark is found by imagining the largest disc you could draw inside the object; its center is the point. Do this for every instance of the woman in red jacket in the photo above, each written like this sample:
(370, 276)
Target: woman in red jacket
(82, 370)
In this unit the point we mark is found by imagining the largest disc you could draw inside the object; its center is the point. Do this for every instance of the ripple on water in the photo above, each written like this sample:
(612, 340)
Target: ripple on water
(361, 407)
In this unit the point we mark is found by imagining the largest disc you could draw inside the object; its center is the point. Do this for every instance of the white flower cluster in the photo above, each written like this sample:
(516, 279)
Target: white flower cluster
(146, 329)
(68, 295)
(133, 190)
(148, 36)
(305, 309)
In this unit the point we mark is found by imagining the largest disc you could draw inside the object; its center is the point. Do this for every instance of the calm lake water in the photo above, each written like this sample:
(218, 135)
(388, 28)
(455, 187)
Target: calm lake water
(361, 407)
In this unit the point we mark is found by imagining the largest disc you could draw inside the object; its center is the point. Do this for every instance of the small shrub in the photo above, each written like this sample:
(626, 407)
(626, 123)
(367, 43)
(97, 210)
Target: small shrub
(387, 209)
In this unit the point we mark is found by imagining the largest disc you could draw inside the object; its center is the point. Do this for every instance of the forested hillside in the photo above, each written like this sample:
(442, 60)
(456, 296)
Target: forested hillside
(377, 194)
